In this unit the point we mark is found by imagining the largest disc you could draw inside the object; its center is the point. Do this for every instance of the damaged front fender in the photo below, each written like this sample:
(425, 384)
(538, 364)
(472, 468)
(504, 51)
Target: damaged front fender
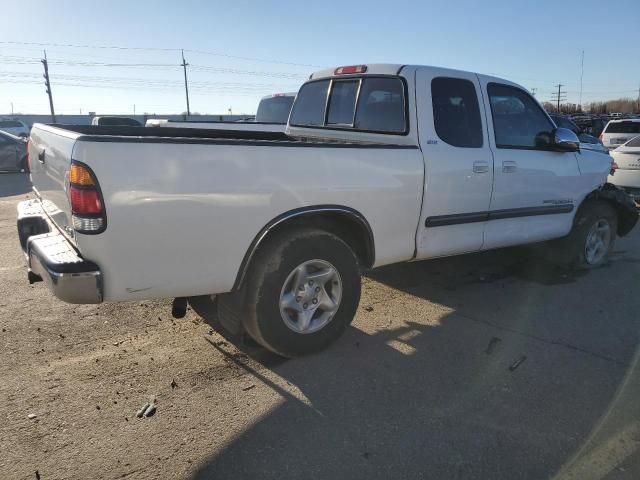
(623, 203)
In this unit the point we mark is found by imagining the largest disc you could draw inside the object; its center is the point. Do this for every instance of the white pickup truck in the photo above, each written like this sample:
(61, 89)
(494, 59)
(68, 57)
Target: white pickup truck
(379, 164)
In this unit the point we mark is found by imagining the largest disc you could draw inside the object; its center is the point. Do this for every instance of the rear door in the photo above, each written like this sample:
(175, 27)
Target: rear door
(535, 191)
(8, 153)
(458, 162)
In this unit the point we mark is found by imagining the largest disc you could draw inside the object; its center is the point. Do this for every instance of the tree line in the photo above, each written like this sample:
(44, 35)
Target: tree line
(622, 105)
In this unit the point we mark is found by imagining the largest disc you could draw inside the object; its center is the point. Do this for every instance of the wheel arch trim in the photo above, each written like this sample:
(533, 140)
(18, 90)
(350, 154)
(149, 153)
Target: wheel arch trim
(297, 213)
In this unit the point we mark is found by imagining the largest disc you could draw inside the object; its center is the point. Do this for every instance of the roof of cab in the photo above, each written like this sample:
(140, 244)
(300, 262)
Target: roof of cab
(397, 68)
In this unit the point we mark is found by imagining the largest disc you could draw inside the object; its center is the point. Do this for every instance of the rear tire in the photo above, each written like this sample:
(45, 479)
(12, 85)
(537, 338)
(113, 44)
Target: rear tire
(592, 238)
(301, 292)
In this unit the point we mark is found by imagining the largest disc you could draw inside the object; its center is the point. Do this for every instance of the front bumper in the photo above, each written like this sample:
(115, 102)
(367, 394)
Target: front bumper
(52, 258)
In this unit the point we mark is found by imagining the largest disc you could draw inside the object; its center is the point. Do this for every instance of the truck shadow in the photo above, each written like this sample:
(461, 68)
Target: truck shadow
(12, 183)
(481, 381)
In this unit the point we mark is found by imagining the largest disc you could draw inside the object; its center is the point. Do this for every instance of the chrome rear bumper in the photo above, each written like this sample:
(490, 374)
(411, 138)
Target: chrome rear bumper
(52, 258)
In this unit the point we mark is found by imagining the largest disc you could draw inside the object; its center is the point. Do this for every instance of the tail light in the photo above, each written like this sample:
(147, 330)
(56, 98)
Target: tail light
(614, 167)
(87, 206)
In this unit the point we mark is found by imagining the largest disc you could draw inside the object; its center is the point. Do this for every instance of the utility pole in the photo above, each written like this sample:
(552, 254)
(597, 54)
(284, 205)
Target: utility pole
(48, 85)
(581, 75)
(533, 91)
(12, 109)
(186, 86)
(558, 97)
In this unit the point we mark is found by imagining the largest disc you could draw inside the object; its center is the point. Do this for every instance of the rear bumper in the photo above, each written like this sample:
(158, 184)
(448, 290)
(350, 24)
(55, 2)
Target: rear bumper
(50, 257)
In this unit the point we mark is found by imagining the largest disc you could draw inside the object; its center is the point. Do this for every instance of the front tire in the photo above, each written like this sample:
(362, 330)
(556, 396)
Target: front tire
(301, 292)
(592, 238)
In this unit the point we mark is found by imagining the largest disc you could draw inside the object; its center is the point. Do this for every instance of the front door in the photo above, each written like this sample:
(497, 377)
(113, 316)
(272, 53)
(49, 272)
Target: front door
(458, 163)
(535, 190)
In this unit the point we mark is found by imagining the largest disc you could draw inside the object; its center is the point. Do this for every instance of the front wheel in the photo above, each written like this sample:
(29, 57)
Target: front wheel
(302, 291)
(592, 238)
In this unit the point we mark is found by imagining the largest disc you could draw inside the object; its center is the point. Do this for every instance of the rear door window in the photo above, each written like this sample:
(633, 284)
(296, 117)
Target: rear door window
(10, 124)
(456, 112)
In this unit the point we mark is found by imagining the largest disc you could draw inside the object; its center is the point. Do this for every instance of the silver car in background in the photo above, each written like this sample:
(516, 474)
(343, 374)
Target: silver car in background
(627, 167)
(13, 153)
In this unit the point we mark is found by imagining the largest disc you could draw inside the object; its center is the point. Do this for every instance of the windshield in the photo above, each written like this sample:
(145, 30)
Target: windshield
(274, 109)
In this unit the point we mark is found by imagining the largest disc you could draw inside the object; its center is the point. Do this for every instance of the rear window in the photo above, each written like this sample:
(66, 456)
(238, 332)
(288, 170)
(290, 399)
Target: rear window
(373, 104)
(10, 124)
(634, 142)
(274, 109)
(308, 109)
(623, 127)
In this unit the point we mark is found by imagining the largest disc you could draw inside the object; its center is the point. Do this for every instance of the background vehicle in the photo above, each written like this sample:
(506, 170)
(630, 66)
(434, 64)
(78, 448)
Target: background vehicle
(627, 174)
(380, 164)
(13, 153)
(593, 125)
(273, 112)
(618, 132)
(275, 108)
(14, 127)
(587, 141)
(115, 121)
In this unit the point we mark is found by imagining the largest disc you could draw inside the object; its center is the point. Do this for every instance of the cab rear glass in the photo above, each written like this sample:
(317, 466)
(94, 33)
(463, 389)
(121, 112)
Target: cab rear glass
(374, 104)
(623, 127)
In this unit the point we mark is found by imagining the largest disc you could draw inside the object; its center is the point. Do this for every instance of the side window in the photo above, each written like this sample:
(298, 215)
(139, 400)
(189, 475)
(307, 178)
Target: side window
(518, 121)
(308, 109)
(381, 106)
(342, 103)
(456, 113)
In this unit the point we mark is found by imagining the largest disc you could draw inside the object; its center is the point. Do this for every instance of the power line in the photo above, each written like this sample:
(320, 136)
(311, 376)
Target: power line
(159, 49)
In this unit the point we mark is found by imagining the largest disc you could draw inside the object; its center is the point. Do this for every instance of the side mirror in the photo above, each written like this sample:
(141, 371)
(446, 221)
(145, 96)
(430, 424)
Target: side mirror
(564, 140)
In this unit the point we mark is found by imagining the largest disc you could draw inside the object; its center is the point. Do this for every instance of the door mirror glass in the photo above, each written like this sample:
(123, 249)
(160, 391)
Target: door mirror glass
(565, 140)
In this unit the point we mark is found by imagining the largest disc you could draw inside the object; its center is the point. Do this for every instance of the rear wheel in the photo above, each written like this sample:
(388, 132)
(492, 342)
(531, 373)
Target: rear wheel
(592, 238)
(301, 292)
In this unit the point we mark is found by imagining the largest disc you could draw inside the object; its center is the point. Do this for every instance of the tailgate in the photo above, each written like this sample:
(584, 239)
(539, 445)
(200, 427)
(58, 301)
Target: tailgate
(50, 151)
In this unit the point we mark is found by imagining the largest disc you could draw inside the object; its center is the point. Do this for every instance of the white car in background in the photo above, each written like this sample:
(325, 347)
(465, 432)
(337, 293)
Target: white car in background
(618, 132)
(14, 127)
(627, 167)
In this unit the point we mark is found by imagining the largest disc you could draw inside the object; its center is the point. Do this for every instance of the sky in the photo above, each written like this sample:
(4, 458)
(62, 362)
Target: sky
(239, 51)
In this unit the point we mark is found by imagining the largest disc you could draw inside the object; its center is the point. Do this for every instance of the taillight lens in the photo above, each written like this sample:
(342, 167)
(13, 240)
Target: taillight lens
(85, 201)
(87, 207)
(350, 70)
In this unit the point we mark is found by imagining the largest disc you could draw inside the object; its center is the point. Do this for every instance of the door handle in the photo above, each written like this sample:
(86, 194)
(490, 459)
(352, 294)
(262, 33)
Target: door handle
(509, 166)
(480, 167)
(41, 155)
